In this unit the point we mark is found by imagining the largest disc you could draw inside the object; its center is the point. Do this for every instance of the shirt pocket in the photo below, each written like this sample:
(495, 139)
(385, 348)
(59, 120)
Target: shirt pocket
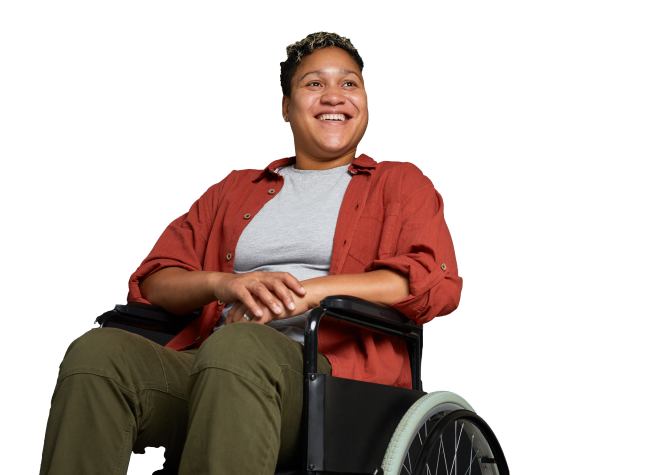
(375, 237)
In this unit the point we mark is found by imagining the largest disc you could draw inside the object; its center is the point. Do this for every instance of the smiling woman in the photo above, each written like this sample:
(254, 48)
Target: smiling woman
(264, 247)
(324, 100)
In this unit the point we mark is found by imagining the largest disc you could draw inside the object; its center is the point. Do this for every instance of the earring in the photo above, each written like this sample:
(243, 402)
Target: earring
(286, 118)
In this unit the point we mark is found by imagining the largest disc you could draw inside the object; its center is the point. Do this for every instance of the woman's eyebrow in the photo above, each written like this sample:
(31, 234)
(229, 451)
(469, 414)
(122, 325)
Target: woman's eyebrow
(323, 73)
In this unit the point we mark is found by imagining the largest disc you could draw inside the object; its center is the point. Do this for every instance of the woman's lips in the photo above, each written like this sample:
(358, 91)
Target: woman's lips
(334, 122)
(333, 117)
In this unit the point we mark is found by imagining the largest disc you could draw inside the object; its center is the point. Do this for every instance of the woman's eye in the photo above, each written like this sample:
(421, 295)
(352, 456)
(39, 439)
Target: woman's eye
(314, 83)
(349, 83)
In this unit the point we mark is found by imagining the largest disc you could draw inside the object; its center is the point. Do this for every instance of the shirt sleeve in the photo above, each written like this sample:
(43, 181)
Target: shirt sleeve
(182, 244)
(425, 253)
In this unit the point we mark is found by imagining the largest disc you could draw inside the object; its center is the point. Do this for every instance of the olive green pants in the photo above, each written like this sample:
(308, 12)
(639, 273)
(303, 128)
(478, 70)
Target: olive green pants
(233, 406)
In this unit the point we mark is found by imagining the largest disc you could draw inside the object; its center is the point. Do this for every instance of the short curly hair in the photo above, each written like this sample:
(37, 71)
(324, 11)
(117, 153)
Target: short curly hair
(298, 50)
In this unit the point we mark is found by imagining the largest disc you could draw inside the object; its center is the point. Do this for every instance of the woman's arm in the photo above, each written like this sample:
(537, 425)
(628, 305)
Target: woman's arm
(385, 286)
(177, 290)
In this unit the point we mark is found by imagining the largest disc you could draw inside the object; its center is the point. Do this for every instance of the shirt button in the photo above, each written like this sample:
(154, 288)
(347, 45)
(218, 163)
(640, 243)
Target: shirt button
(443, 266)
(271, 191)
(219, 302)
(229, 256)
(247, 216)
(198, 338)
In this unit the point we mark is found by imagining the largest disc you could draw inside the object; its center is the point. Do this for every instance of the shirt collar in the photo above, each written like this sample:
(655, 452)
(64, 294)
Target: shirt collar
(360, 163)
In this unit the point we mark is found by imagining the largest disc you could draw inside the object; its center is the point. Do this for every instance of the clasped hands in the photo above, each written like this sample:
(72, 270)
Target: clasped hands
(291, 303)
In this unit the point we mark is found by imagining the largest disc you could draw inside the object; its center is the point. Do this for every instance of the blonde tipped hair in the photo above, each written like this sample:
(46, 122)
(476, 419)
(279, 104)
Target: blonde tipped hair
(297, 51)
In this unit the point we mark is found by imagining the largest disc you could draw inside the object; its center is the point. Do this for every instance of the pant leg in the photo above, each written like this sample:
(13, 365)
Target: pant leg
(115, 391)
(245, 402)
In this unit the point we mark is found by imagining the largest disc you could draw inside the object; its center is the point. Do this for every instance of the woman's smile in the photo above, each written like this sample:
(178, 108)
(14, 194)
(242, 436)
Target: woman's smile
(337, 117)
(333, 122)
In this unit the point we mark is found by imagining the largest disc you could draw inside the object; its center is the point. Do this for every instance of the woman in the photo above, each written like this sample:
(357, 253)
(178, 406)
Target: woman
(262, 246)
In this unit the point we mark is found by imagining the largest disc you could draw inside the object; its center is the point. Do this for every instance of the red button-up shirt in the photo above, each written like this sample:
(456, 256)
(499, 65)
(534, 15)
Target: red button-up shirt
(391, 216)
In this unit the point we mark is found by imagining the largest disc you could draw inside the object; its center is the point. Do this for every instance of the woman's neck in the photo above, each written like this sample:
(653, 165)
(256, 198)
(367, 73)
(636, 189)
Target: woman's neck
(308, 162)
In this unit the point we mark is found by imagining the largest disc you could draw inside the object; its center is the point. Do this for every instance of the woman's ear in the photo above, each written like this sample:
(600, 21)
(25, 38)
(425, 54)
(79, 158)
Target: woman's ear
(285, 108)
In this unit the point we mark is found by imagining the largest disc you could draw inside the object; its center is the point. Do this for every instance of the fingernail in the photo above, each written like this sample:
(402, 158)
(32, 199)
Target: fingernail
(302, 289)
(292, 306)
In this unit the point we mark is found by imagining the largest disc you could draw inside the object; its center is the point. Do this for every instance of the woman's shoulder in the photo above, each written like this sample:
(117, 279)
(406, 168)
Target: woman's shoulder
(406, 175)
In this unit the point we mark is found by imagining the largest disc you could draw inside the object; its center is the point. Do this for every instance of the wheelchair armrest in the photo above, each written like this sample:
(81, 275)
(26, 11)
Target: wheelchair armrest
(150, 321)
(353, 310)
(372, 311)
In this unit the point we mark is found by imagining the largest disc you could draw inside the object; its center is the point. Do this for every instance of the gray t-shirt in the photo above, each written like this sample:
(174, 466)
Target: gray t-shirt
(294, 233)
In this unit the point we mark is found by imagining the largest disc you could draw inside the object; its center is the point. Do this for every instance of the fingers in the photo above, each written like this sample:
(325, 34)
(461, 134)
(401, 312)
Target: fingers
(280, 283)
(260, 290)
(245, 298)
(236, 315)
(292, 283)
(268, 297)
(271, 288)
(286, 297)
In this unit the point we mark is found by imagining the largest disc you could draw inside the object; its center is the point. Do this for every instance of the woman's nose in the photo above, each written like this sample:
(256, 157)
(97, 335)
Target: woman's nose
(333, 97)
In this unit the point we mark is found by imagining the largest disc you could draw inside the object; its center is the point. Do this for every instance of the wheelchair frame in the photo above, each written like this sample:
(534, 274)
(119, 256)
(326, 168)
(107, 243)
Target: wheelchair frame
(347, 425)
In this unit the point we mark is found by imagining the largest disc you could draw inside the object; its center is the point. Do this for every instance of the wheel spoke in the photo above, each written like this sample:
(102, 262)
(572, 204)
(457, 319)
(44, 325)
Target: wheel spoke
(471, 453)
(457, 441)
(438, 454)
(409, 459)
(470, 456)
(444, 456)
(426, 465)
(468, 470)
(455, 447)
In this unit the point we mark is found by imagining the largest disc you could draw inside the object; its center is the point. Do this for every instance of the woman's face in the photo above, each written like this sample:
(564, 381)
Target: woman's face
(328, 105)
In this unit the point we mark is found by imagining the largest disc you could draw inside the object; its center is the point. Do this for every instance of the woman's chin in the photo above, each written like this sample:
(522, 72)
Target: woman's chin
(336, 146)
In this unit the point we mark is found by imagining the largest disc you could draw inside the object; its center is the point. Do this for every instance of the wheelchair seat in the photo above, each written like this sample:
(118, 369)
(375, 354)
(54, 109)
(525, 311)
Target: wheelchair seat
(356, 427)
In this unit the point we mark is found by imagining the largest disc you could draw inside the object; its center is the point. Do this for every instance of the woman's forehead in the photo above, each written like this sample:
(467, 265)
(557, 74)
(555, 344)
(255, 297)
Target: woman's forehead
(329, 61)
(332, 71)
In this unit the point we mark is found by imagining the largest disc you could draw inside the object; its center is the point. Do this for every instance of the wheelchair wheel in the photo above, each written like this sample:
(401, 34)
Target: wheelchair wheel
(441, 434)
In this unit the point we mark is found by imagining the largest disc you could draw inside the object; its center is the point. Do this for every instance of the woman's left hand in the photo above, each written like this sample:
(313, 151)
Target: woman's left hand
(239, 309)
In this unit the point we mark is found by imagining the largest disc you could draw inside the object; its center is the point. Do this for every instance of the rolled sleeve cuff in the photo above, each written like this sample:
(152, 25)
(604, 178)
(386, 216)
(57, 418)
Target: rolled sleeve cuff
(433, 292)
(148, 268)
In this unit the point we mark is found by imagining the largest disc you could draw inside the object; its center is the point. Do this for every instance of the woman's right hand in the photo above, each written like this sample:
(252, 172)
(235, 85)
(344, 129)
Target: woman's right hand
(264, 286)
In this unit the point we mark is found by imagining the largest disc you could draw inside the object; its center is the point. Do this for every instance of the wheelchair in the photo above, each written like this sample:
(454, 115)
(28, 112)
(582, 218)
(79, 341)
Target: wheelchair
(356, 427)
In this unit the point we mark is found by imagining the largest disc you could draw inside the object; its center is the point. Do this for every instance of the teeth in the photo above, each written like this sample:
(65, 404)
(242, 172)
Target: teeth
(341, 117)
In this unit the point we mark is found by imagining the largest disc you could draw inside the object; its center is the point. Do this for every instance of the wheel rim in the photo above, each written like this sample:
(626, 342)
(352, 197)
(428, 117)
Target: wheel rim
(460, 447)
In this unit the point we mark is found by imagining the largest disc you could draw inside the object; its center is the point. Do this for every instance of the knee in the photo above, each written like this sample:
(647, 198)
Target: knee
(248, 346)
(100, 351)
